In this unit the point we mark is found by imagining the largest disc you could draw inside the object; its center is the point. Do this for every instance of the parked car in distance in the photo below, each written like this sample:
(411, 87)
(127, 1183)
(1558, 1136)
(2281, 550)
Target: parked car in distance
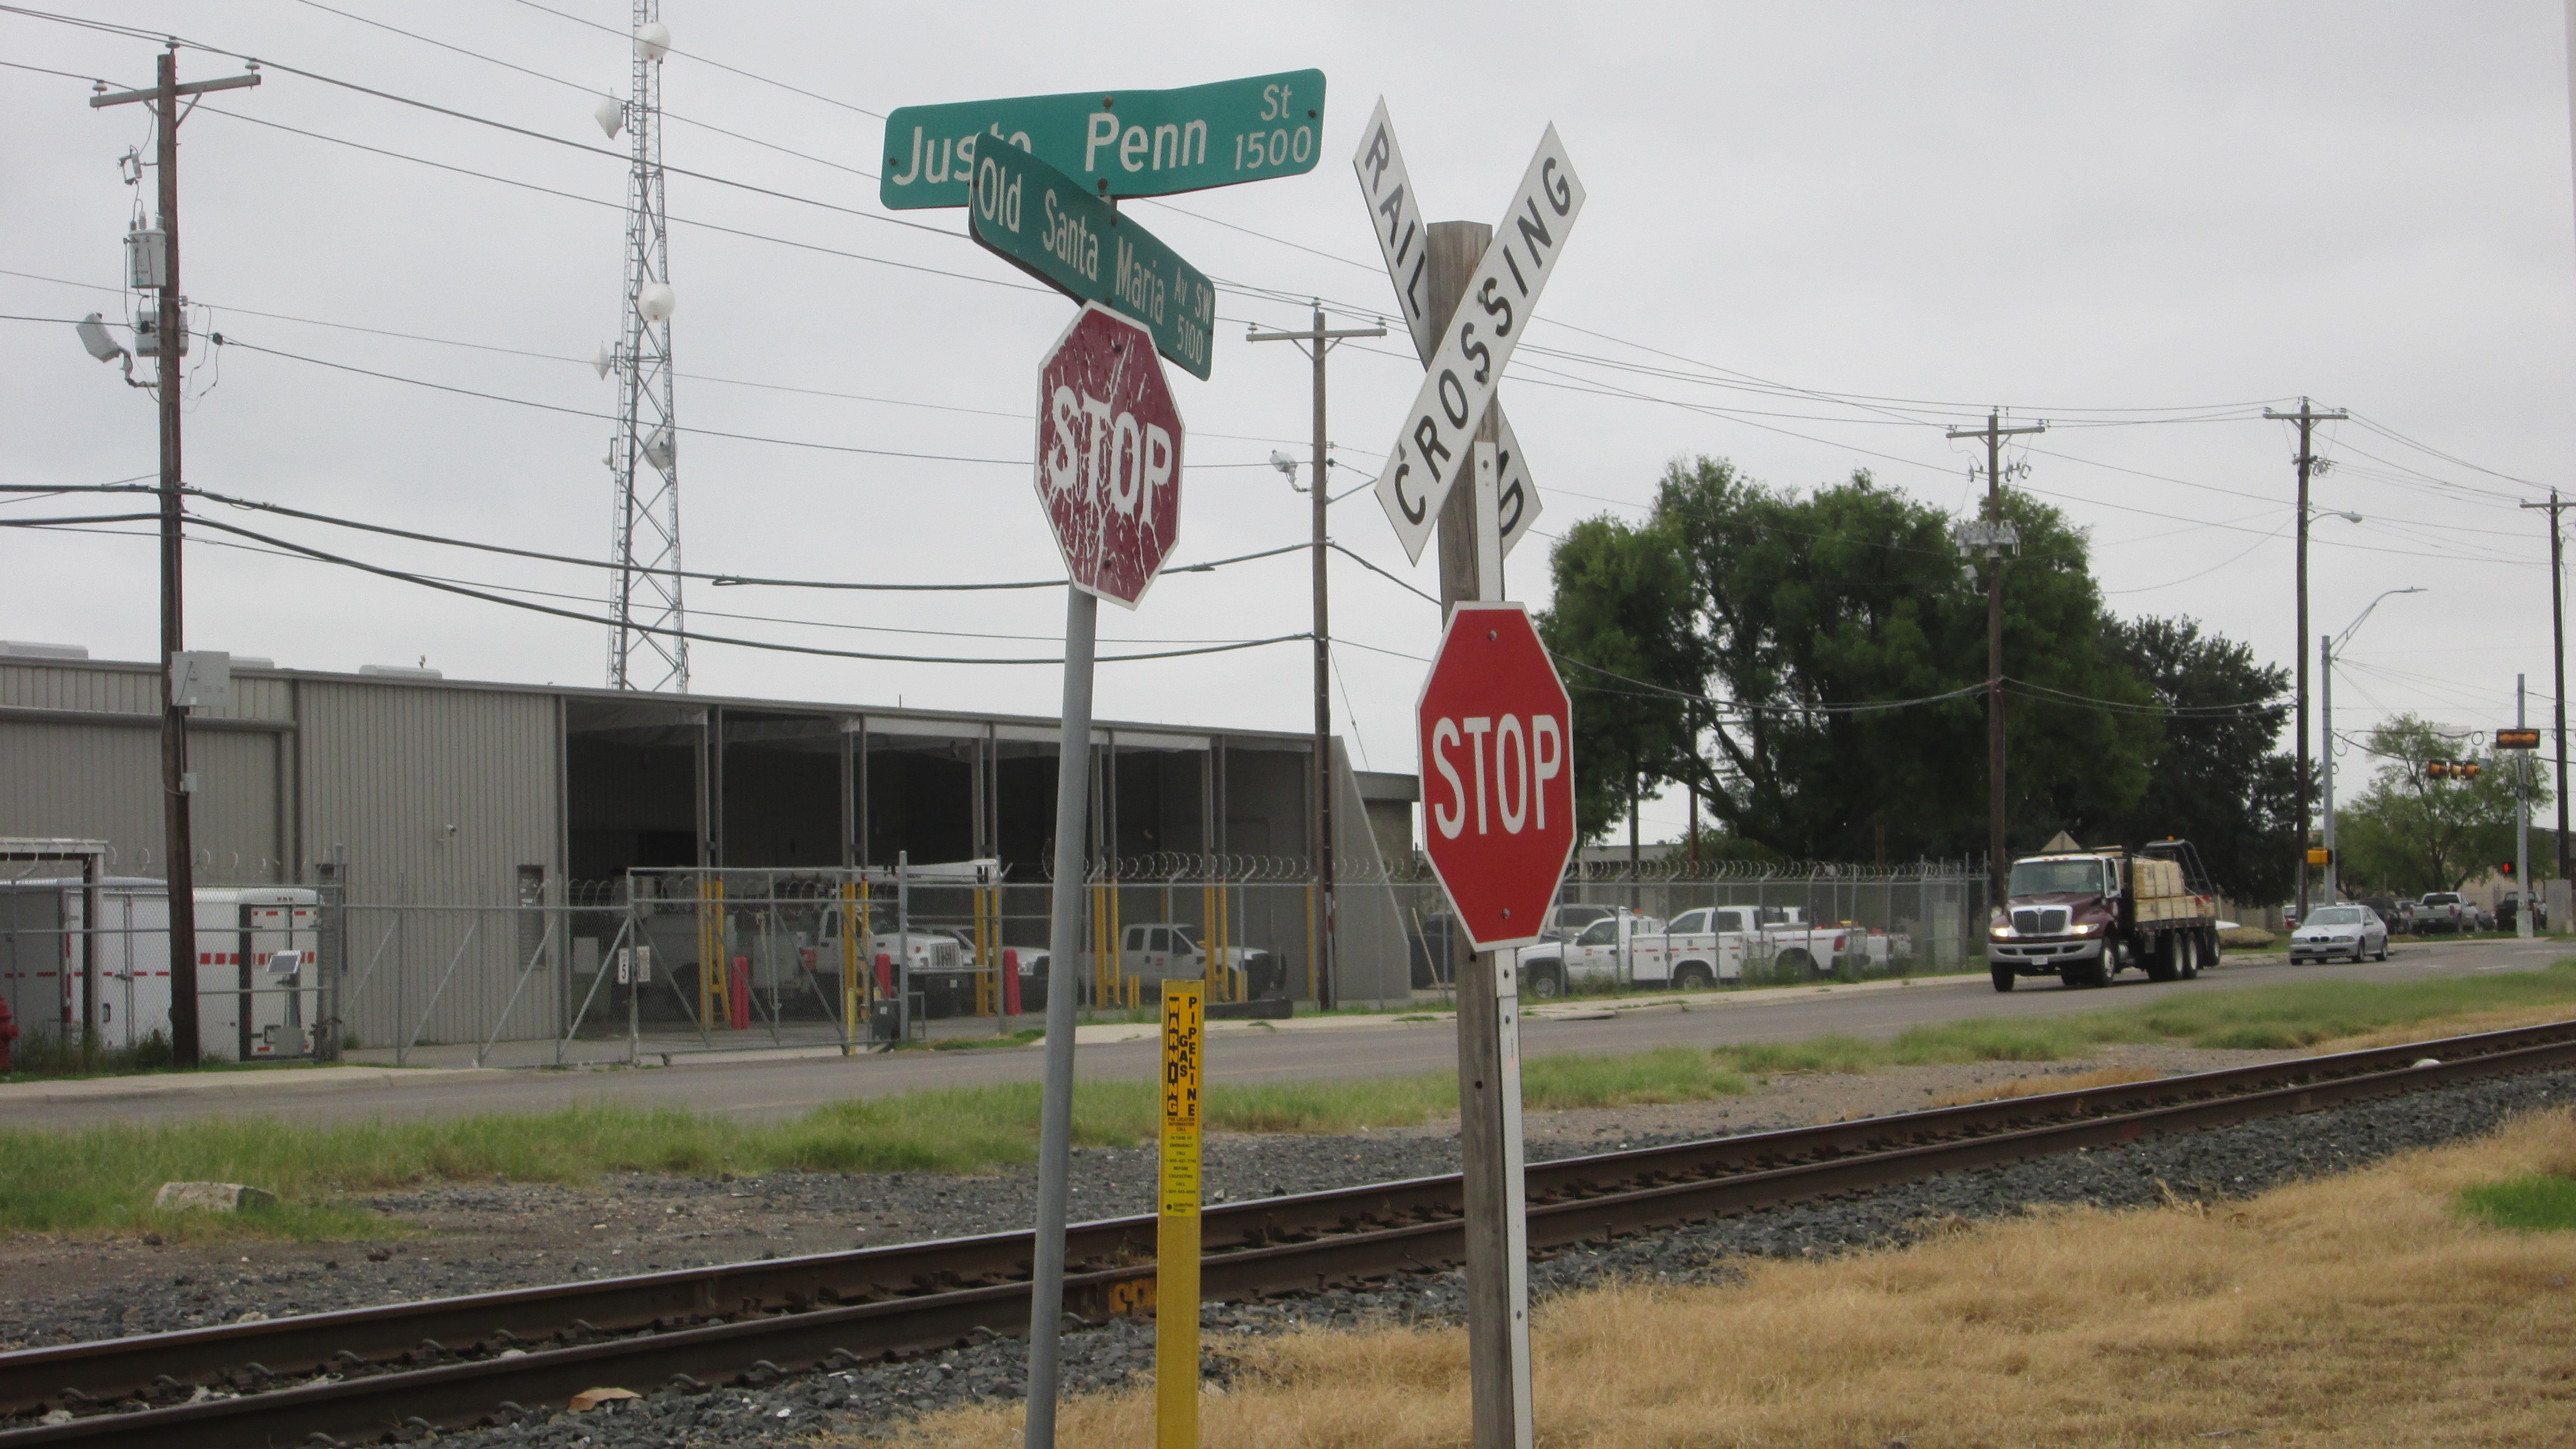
(2509, 908)
(2345, 930)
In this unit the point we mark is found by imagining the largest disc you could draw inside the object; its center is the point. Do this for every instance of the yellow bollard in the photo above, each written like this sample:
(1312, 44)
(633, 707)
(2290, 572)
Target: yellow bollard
(1176, 1223)
(849, 965)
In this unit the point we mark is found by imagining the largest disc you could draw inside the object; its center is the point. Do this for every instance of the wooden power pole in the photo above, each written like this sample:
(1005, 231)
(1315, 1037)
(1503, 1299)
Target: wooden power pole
(170, 338)
(1317, 341)
(2307, 418)
(2558, 662)
(1994, 538)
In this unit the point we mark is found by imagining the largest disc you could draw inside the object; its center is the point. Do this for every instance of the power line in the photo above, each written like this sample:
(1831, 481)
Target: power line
(694, 636)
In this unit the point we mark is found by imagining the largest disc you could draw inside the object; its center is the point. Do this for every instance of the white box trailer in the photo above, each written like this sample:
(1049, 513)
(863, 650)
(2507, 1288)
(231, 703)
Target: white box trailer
(258, 976)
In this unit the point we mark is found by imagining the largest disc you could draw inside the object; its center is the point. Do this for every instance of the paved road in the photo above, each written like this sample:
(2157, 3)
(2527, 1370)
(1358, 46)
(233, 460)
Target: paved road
(775, 1089)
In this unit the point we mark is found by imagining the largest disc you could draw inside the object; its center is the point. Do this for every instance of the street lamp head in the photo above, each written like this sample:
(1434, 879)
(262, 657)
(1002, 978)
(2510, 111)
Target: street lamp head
(94, 336)
(1284, 464)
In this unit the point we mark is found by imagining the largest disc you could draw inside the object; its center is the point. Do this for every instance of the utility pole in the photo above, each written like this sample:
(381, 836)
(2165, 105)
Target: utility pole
(1995, 538)
(2558, 663)
(170, 340)
(1315, 342)
(2307, 418)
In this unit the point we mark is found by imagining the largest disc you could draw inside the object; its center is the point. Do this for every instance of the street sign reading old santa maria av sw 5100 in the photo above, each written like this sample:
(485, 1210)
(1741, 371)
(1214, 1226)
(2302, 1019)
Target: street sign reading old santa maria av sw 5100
(1038, 219)
(1497, 773)
(1116, 143)
(1109, 455)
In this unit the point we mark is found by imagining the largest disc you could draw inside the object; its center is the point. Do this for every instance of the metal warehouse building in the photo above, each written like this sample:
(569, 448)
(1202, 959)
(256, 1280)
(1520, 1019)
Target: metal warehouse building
(457, 794)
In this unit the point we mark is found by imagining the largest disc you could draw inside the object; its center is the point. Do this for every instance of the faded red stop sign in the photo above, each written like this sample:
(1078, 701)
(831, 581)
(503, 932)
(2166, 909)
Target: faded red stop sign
(1109, 454)
(1497, 773)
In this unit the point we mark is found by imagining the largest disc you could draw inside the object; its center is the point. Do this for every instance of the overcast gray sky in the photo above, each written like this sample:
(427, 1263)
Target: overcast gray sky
(2092, 214)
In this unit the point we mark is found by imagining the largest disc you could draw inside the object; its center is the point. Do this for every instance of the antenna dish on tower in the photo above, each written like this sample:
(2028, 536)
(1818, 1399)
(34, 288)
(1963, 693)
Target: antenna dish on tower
(655, 300)
(610, 113)
(652, 40)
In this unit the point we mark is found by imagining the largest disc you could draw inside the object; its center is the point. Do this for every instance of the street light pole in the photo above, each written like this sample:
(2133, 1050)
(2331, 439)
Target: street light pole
(2327, 647)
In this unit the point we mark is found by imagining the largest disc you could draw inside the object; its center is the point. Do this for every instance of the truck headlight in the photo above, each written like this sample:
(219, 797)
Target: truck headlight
(2087, 928)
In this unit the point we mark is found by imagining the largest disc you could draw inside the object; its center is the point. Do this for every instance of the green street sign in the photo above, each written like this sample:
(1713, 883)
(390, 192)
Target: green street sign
(1124, 143)
(1040, 220)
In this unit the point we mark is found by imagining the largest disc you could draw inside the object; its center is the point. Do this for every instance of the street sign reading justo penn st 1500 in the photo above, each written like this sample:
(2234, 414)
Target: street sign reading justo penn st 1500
(1115, 143)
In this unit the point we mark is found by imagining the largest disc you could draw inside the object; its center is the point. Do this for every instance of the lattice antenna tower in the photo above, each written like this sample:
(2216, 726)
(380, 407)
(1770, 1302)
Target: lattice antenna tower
(644, 455)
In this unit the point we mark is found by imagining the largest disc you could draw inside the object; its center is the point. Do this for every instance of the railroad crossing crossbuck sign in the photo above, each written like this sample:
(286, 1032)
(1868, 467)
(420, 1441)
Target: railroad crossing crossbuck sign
(1109, 455)
(1404, 241)
(1436, 445)
(1497, 773)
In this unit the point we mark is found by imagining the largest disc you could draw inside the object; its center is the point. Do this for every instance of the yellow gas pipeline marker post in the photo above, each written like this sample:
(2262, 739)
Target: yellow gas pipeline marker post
(1176, 1241)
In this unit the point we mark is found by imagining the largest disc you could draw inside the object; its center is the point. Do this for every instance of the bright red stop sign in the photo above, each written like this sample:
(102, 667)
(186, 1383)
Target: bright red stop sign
(1497, 773)
(1109, 454)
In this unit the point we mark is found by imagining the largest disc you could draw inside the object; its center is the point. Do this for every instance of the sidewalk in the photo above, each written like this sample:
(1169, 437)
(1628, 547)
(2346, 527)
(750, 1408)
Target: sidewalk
(806, 1041)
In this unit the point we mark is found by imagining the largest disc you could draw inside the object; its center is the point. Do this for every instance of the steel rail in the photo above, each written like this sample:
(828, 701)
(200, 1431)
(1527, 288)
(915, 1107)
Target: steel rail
(904, 1299)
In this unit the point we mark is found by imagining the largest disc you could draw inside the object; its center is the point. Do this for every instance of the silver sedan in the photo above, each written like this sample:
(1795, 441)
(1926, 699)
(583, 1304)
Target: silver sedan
(2354, 931)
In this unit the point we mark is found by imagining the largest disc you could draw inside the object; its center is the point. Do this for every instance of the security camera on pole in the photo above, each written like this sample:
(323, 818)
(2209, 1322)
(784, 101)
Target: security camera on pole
(1039, 177)
(1496, 726)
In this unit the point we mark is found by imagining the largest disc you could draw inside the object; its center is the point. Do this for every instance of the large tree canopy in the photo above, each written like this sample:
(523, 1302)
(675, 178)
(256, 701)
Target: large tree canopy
(1814, 665)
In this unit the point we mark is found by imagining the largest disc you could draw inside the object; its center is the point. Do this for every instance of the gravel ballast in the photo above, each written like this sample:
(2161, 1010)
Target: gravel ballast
(2212, 1164)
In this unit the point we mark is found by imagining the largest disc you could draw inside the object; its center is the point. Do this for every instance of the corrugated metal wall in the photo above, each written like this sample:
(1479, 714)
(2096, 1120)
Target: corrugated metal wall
(440, 794)
(103, 782)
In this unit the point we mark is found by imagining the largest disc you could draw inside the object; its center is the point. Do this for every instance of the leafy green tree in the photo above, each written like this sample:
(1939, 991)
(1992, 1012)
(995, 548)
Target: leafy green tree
(2214, 778)
(2410, 833)
(1818, 676)
(1620, 593)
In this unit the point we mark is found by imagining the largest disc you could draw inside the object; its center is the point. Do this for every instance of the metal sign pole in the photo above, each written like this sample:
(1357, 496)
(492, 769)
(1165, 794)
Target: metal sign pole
(1064, 950)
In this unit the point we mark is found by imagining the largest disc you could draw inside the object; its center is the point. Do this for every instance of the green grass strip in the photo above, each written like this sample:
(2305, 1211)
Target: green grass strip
(2531, 1203)
(102, 1179)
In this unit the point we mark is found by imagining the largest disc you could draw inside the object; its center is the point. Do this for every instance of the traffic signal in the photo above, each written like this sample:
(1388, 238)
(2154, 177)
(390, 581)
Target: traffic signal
(2468, 769)
(2517, 739)
(2437, 769)
(2505, 870)
(2319, 855)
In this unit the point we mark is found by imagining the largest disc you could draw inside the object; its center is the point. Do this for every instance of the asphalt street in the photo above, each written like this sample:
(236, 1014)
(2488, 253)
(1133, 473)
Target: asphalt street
(775, 1089)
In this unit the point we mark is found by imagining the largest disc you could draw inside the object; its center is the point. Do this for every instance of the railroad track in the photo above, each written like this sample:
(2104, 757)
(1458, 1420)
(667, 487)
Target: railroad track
(370, 1374)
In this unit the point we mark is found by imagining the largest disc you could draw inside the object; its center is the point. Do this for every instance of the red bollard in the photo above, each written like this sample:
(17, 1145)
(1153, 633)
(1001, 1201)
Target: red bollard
(8, 1036)
(738, 995)
(885, 976)
(1011, 983)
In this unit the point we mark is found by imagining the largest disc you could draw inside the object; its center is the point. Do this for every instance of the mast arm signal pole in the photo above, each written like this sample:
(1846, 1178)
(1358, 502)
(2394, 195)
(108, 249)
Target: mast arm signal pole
(2558, 662)
(1315, 342)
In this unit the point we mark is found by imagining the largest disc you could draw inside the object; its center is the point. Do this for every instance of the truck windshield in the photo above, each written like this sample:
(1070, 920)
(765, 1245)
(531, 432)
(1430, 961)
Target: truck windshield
(1185, 937)
(2062, 875)
(2337, 916)
(1604, 932)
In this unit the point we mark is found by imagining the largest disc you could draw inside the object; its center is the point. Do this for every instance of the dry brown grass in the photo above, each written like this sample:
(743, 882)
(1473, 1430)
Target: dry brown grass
(2044, 1083)
(2357, 1311)
(2502, 1019)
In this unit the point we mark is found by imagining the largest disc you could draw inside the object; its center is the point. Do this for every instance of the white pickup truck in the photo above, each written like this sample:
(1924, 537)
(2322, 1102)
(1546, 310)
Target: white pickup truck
(1699, 948)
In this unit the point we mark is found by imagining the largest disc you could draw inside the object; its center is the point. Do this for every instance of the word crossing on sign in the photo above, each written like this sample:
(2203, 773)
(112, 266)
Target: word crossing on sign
(1431, 451)
(1038, 219)
(1109, 455)
(1497, 773)
(1402, 241)
(1124, 143)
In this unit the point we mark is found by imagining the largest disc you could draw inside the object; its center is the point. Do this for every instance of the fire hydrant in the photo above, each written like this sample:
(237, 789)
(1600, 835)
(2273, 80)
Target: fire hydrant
(8, 1035)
